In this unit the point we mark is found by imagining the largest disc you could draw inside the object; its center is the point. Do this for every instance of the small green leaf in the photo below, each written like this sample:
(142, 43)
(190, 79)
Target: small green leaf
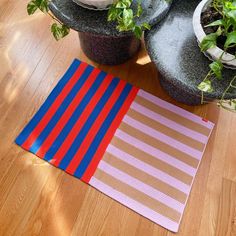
(216, 23)
(230, 5)
(127, 2)
(32, 7)
(232, 14)
(138, 31)
(59, 31)
(231, 39)
(209, 41)
(146, 26)
(123, 4)
(205, 86)
(139, 10)
(128, 17)
(217, 67)
(113, 13)
(43, 5)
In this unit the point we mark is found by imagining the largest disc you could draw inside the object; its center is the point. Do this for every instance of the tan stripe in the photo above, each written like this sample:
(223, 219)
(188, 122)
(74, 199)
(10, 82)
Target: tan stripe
(152, 161)
(159, 145)
(138, 196)
(173, 116)
(146, 178)
(166, 130)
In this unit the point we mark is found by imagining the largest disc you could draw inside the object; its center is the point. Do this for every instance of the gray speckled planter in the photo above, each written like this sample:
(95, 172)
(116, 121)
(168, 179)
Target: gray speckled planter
(173, 48)
(100, 40)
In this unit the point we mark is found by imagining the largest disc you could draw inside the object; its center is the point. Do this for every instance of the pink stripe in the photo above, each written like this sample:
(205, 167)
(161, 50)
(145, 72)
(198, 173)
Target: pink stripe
(155, 152)
(134, 205)
(162, 137)
(169, 123)
(158, 174)
(175, 109)
(141, 186)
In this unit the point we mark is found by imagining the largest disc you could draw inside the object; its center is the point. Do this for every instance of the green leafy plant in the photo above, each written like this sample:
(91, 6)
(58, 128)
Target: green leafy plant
(224, 29)
(120, 11)
(123, 14)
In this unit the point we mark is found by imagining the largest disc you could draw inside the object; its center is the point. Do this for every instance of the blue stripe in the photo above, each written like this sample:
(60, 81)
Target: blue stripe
(75, 116)
(102, 131)
(47, 104)
(61, 110)
(88, 124)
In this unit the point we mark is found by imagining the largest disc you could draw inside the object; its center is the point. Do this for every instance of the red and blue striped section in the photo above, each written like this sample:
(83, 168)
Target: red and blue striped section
(76, 123)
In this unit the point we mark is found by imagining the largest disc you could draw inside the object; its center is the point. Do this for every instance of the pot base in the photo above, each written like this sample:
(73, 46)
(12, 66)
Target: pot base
(179, 94)
(109, 50)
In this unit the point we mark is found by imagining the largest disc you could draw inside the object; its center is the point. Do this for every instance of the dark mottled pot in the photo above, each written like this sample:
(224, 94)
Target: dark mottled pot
(173, 48)
(100, 40)
(179, 94)
(109, 50)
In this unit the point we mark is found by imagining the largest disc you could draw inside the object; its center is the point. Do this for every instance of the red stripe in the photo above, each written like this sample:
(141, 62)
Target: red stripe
(67, 114)
(81, 121)
(95, 128)
(51, 111)
(109, 135)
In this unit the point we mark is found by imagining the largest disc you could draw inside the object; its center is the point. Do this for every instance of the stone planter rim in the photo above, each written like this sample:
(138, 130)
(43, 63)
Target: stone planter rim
(178, 83)
(69, 13)
(228, 59)
(63, 18)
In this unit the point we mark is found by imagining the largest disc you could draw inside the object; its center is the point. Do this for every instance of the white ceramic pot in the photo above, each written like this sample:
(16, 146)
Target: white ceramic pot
(213, 53)
(95, 4)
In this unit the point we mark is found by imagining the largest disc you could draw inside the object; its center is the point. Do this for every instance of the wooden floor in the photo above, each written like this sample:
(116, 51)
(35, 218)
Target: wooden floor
(38, 199)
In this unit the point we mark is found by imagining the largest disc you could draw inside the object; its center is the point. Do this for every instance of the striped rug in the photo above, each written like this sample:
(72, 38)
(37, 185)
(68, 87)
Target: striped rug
(125, 142)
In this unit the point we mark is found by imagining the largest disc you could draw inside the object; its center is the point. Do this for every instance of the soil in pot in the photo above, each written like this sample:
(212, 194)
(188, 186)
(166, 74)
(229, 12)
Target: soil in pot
(208, 16)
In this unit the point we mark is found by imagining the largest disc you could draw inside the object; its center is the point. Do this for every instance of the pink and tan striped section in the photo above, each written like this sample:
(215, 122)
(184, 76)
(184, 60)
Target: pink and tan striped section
(152, 160)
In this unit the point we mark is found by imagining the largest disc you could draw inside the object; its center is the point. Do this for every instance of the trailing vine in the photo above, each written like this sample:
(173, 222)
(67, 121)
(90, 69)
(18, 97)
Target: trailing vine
(58, 29)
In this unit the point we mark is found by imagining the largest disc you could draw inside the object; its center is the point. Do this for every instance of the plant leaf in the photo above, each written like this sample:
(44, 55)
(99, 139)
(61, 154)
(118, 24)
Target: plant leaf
(32, 7)
(231, 39)
(43, 5)
(216, 23)
(139, 10)
(209, 41)
(217, 67)
(59, 31)
(138, 31)
(146, 26)
(205, 86)
(113, 13)
(128, 17)
(123, 4)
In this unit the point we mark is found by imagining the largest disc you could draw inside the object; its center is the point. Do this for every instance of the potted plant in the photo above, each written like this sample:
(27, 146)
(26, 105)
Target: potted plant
(119, 11)
(107, 37)
(214, 23)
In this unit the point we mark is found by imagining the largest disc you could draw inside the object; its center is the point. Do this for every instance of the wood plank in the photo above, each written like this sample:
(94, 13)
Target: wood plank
(38, 199)
(226, 221)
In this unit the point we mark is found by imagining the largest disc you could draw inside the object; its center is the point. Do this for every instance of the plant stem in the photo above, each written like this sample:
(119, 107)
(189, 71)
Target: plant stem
(214, 4)
(202, 93)
(54, 18)
(226, 90)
